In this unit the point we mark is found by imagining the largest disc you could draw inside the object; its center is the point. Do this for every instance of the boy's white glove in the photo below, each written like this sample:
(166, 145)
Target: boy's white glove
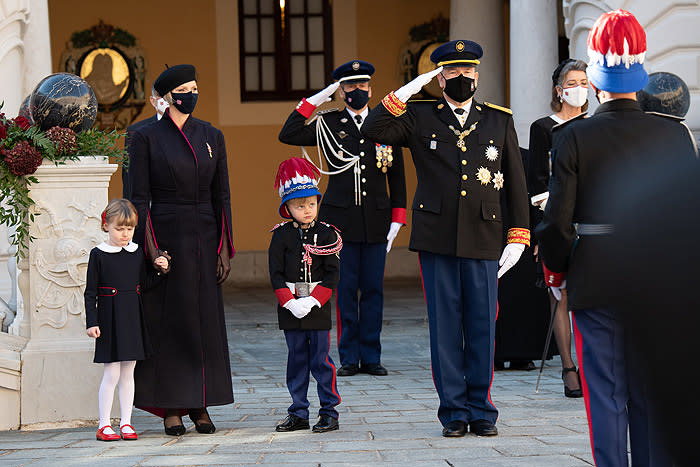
(393, 232)
(407, 90)
(298, 309)
(308, 303)
(323, 96)
(511, 255)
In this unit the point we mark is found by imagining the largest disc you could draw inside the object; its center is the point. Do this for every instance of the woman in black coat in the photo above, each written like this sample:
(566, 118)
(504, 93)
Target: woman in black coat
(569, 100)
(179, 181)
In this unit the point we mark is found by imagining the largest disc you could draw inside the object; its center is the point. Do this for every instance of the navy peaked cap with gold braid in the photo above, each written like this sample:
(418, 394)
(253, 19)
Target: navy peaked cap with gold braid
(457, 53)
(354, 70)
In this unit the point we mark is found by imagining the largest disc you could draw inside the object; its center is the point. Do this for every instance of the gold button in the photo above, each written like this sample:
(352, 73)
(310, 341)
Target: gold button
(490, 141)
(364, 180)
(433, 135)
(364, 193)
(421, 206)
(362, 141)
(362, 166)
(464, 177)
(464, 162)
(464, 193)
(362, 153)
(494, 216)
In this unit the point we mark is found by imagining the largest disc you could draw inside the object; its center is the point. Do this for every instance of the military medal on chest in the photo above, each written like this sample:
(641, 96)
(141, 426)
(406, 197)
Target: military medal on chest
(384, 156)
(463, 134)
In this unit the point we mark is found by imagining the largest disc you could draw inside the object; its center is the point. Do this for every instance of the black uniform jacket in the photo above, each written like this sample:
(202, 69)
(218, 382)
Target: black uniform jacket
(453, 212)
(126, 183)
(589, 155)
(285, 258)
(180, 188)
(370, 221)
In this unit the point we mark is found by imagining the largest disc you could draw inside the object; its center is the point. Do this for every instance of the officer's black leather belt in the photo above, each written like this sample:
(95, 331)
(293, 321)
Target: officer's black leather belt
(594, 229)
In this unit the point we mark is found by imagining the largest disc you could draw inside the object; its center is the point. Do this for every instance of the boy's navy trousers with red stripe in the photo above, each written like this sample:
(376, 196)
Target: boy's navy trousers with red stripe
(308, 352)
(461, 295)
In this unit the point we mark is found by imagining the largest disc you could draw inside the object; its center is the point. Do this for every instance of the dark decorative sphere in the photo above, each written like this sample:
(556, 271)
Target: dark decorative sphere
(665, 93)
(25, 111)
(64, 100)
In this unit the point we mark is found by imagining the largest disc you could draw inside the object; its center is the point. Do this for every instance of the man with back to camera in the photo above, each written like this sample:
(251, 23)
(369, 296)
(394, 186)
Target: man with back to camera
(589, 155)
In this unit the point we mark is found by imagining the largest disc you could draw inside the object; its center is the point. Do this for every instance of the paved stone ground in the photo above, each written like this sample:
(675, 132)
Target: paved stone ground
(387, 420)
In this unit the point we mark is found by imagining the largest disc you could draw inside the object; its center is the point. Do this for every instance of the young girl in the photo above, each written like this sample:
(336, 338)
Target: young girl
(115, 276)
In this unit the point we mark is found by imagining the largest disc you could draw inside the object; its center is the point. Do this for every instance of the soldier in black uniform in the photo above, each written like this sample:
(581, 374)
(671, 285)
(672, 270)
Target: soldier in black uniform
(590, 155)
(356, 202)
(467, 159)
(303, 258)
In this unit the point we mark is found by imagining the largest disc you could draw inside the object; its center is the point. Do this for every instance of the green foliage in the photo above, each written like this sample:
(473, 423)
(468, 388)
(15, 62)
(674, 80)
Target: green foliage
(15, 202)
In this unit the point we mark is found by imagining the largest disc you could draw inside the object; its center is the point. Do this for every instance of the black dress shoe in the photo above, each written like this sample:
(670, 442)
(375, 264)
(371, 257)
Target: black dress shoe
(483, 428)
(455, 429)
(348, 370)
(202, 421)
(173, 416)
(522, 365)
(375, 369)
(325, 423)
(571, 392)
(292, 423)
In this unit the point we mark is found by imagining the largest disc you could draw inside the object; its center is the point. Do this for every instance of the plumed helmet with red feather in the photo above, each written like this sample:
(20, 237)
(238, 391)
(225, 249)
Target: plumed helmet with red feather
(296, 178)
(617, 45)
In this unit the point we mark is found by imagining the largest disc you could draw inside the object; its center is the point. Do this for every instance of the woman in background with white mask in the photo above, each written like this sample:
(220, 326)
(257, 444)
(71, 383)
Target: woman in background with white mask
(569, 100)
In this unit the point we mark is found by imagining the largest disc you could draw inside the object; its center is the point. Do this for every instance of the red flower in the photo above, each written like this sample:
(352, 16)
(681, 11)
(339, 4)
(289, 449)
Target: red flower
(22, 122)
(64, 139)
(23, 159)
(3, 132)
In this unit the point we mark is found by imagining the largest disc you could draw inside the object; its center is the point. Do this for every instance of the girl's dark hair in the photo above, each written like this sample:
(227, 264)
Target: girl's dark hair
(558, 79)
(121, 212)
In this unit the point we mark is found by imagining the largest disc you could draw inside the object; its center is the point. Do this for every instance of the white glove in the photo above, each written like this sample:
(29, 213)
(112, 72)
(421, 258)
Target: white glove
(556, 291)
(323, 96)
(393, 232)
(308, 303)
(511, 255)
(407, 90)
(297, 309)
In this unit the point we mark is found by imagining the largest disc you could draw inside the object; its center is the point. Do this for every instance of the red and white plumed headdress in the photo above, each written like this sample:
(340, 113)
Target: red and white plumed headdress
(617, 45)
(296, 178)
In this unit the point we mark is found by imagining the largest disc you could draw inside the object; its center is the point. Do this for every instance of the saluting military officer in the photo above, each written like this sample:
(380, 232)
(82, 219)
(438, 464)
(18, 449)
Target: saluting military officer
(467, 157)
(356, 202)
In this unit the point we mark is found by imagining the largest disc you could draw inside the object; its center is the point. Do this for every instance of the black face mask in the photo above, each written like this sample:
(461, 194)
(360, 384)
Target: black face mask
(185, 102)
(460, 88)
(357, 98)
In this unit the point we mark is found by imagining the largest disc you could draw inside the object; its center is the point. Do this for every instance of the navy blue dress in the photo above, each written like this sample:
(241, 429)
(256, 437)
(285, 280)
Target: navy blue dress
(115, 277)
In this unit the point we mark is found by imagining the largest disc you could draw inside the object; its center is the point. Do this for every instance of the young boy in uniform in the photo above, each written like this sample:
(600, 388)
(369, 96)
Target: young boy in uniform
(303, 258)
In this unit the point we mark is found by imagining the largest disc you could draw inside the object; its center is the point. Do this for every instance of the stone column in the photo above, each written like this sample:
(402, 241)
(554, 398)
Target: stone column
(533, 57)
(482, 22)
(673, 39)
(59, 380)
(37, 46)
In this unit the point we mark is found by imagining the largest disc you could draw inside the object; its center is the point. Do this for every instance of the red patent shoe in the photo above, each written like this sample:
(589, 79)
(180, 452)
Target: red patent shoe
(128, 436)
(102, 436)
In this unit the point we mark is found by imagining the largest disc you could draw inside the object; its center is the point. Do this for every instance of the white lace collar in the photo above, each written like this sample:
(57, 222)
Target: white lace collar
(107, 248)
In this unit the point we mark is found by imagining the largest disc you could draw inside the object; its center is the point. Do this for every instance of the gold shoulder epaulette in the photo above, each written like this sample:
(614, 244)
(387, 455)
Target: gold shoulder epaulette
(561, 125)
(278, 226)
(327, 111)
(498, 107)
(669, 116)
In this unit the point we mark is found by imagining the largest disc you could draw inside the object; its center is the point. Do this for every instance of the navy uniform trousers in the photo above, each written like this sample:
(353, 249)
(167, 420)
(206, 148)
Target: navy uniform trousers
(308, 351)
(360, 324)
(614, 396)
(461, 291)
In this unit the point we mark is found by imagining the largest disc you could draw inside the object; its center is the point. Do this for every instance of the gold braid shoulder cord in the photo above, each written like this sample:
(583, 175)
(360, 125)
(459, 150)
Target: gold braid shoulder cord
(326, 139)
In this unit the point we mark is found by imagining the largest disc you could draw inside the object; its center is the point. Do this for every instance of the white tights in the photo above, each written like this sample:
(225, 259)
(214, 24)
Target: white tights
(122, 373)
